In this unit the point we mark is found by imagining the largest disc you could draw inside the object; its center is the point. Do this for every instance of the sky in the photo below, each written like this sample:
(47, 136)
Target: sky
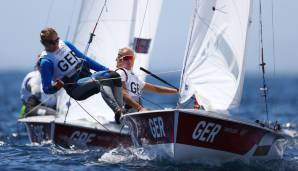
(21, 22)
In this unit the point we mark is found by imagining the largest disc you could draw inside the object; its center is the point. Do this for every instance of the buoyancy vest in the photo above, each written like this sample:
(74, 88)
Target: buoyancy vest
(133, 84)
(65, 62)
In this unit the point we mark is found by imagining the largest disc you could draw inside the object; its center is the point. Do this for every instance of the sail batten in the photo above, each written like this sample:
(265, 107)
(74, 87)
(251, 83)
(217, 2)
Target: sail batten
(213, 69)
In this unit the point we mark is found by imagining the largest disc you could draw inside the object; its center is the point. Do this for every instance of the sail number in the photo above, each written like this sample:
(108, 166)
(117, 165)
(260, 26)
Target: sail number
(157, 127)
(206, 131)
(82, 137)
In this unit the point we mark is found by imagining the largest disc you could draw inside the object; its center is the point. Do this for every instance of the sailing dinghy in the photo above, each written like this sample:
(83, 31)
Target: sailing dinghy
(91, 122)
(213, 72)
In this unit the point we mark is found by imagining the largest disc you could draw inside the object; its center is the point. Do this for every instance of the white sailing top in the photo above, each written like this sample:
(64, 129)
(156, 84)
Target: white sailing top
(31, 86)
(134, 84)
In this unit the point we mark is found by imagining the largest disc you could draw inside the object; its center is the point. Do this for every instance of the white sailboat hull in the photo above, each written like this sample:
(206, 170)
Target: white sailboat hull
(190, 136)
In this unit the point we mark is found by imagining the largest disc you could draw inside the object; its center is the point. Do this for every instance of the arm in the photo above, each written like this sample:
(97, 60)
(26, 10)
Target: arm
(159, 89)
(91, 63)
(46, 71)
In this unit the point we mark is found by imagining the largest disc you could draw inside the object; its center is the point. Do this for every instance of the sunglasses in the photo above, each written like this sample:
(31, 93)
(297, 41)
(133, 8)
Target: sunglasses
(126, 58)
(52, 42)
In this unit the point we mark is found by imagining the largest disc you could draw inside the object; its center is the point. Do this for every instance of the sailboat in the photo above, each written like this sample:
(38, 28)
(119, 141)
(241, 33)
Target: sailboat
(212, 74)
(91, 122)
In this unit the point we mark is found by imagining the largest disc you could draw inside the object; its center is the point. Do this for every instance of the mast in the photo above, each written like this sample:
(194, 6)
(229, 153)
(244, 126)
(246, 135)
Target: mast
(263, 89)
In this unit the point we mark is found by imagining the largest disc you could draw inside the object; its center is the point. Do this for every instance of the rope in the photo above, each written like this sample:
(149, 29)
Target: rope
(68, 105)
(94, 29)
(49, 12)
(92, 116)
(143, 20)
(85, 109)
(105, 79)
(35, 107)
(93, 80)
(87, 47)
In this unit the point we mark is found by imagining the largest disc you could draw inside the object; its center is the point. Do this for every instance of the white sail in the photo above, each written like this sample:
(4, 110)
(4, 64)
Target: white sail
(113, 32)
(119, 24)
(214, 60)
(147, 21)
(168, 50)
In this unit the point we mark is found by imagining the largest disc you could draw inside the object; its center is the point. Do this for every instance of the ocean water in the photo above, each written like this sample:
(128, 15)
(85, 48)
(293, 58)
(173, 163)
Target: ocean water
(16, 153)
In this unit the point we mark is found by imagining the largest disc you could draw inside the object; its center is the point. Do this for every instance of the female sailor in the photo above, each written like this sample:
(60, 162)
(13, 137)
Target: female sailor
(63, 65)
(132, 86)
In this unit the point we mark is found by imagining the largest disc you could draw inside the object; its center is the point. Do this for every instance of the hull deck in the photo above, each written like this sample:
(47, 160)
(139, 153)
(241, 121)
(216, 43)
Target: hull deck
(187, 135)
(80, 134)
(183, 135)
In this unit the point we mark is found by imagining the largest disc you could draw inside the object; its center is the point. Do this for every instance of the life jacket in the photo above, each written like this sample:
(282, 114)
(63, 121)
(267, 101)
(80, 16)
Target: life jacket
(65, 62)
(133, 84)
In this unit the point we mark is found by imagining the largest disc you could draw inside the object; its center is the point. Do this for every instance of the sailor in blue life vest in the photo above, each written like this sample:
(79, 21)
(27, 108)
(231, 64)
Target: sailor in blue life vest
(132, 85)
(63, 65)
(35, 101)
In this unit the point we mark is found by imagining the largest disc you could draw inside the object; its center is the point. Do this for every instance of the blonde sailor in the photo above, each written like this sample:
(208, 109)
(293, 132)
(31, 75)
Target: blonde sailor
(132, 86)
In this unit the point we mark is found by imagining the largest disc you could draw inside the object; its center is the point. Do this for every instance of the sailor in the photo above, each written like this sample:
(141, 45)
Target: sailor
(132, 85)
(35, 101)
(63, 65)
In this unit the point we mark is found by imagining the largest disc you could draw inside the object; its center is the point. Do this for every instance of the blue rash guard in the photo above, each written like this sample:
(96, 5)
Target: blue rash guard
(47, 68)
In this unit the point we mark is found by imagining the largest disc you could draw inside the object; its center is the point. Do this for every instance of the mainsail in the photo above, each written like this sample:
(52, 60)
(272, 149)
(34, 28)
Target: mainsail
(120, 22)
(214, 59)
(147, 21)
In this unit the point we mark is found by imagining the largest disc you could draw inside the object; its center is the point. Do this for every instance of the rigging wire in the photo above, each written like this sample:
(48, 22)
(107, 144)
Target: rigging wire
(94, 29)
(93, 80)
(92, 116)
(273, 38)
(66, 37)
(90, 41)
(143, 19)
(264, 89)
(70, 20)
(86, 50)
(49, 12)
(35, 107)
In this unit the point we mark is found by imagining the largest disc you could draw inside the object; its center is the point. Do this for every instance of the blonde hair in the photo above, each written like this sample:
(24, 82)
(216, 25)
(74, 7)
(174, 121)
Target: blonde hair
(123, 52)
(47, 32)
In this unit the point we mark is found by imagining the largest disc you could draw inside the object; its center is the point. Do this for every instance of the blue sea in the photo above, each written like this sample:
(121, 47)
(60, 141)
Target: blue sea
(16, 152)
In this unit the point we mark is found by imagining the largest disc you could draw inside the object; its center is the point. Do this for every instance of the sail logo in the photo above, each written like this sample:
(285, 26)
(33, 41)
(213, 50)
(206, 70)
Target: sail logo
(157, 127)
(206, 131)
(82, 138)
